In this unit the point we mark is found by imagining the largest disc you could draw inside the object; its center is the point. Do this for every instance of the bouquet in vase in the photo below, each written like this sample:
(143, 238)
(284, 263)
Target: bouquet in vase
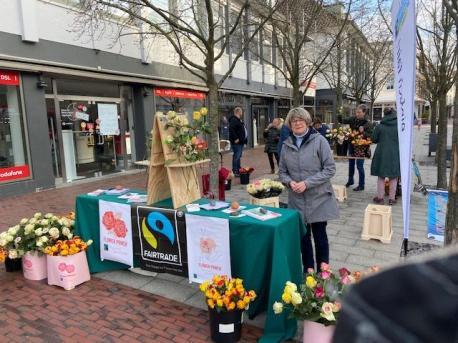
(265, 188)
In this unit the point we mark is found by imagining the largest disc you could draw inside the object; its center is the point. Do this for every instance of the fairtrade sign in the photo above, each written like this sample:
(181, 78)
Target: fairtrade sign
(9, 78)
(161, 243)
(179, 93)
(14, 173)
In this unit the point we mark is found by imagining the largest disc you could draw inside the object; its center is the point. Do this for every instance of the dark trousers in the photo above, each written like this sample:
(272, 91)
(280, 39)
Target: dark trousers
(351, 169)
(321, 246)
(238, 150)
(271, 155)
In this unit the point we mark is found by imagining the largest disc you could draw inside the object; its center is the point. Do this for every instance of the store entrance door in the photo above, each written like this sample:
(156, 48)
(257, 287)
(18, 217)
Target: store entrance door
(260, 115)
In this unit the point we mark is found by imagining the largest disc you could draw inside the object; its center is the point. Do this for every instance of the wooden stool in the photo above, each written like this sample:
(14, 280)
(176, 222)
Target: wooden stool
(340, 192)
(271, 202)
(377, 223)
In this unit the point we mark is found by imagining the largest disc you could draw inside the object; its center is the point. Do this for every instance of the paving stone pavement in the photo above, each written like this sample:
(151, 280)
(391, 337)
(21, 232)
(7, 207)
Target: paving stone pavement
(346, 247)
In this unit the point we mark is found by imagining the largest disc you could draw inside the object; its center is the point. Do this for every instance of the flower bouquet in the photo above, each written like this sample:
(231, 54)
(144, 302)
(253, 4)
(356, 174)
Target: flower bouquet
(317, 300)
(339, 139)
(226, 299)
(361, 145)
(245, 175)
(265, 188)
(31, 236)
(186, 140)
(67, 263)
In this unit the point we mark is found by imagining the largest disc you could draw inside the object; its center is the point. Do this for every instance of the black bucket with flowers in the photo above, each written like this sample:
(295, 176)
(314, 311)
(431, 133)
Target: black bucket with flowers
(226, 300)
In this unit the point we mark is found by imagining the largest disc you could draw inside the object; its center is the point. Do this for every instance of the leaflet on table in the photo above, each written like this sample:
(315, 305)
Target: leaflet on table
(261, 213)
(214, 206)
(140, 198)
(115, 191)
(97, 192)
(231, 210)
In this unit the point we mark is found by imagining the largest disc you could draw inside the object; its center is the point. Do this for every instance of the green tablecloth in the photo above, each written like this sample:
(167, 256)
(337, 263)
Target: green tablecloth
(265, 254)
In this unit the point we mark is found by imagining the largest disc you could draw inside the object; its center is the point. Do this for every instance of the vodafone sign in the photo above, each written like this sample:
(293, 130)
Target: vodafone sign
(14, 173)
(9, 78)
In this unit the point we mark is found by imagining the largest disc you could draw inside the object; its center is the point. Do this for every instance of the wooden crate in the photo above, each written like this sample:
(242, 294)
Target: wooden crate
(271, 202)
(340, 192)
(378, 223)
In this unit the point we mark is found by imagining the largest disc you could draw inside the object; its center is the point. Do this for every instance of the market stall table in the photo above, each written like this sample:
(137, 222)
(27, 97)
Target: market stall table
(265, 254)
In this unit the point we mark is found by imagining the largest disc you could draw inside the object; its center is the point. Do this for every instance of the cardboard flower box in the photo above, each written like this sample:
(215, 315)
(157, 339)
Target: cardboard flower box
(68, 271)
(34, 266)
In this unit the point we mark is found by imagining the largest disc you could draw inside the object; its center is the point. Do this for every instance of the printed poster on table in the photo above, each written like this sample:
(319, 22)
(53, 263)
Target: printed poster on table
(161, 240)
(208, 247)
(437, 209)
(115, 232)
(108, 116)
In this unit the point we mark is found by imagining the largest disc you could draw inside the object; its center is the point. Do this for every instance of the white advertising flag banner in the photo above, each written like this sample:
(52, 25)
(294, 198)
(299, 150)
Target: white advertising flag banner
(208, 247)
(115, 232)
(404, 57)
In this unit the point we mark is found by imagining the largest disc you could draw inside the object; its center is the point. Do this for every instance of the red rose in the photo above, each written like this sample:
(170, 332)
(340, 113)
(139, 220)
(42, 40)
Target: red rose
(108, 220)
(120, 229)
(319, 292)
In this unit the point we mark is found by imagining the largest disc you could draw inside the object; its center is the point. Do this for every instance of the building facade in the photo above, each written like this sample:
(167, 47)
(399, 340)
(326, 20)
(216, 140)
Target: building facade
(75, 105)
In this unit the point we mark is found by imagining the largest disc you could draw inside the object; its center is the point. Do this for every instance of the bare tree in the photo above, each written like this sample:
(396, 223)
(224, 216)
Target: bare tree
(303, 34)
(451, 225)
(200, 32)
(437, 62)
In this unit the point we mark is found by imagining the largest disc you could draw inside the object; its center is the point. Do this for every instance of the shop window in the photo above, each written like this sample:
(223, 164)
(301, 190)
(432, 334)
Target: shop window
(178, 100)
(13, 145)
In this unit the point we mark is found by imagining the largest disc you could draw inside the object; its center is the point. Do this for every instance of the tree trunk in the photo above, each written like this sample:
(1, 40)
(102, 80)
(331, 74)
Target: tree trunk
(442, 143)
(451, 223)
(213, 146)
(297, 95)
(433, 108)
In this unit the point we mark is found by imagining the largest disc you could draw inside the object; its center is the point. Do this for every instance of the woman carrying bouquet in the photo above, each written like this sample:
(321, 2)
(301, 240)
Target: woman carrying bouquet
(272, 136)
(306, 168)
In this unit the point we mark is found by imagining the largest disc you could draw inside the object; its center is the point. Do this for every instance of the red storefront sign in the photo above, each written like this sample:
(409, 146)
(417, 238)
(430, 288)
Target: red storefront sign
(14, 173)
(9, 78)
(179, 93)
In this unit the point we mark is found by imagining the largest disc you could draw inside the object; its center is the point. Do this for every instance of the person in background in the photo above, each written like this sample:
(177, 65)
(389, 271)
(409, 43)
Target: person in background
(285, 131)
(224, 128)
(360, 124)
(238, 138)
(306, 168)
(320, 127)
(272, 137)
(385, 163)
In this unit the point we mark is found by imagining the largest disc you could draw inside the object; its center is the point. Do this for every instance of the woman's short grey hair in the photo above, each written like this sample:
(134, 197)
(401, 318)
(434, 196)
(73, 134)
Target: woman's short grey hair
(299, 113)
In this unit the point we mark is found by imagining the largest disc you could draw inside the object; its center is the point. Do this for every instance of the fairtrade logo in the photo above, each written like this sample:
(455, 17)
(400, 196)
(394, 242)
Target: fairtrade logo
(159, 223)
(401, 16)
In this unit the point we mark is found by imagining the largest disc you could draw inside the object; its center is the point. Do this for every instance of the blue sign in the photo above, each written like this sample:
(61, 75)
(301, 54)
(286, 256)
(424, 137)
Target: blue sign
(437, 209)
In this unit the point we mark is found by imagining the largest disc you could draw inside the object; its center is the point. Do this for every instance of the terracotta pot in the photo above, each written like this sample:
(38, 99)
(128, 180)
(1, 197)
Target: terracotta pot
(317, 333)
(225, 326)
(68, 271)
(34, 266)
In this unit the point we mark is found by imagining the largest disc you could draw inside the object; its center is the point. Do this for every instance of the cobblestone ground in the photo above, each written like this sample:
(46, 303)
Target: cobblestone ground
(112, 306)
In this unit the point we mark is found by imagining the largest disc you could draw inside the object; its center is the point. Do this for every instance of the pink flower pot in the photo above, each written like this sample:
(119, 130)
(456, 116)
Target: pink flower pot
(317, 333)
(68, 271)
(34, 266)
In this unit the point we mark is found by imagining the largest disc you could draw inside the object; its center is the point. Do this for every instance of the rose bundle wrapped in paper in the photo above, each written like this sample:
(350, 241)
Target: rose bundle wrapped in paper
(265, 188)
(67, 247)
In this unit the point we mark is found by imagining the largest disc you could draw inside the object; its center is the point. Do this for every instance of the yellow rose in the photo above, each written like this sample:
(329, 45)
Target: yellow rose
(211, 303)
(64, 252)
(278, 308)
(296, 299)
(231, 306)
(286, 297)
(241, 305)
(310, 282)
(203, 286)
(204, 111)
(196, 115)
(219, 302)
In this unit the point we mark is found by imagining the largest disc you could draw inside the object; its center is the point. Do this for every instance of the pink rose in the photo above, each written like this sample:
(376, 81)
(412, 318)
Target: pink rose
(310, 271)
(345, 280)
(324, 266)
(325, 275)
(344, 272)
(319, 292)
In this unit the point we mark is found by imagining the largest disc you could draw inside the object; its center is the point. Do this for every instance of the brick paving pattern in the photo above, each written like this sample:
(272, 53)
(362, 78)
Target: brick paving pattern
(97, 311)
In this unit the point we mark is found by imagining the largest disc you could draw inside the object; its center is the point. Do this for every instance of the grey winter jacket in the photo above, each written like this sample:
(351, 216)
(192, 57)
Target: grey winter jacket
(314, 164)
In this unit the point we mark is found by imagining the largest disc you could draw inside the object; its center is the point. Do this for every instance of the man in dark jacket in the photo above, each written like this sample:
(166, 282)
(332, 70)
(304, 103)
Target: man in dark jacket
(238, 138)
(360, 124)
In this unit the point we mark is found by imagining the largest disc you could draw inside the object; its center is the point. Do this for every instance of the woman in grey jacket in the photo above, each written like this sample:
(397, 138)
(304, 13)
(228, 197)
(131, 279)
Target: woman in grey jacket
(306, 168)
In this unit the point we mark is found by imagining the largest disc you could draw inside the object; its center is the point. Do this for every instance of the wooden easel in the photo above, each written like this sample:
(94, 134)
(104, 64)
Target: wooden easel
(177, 178)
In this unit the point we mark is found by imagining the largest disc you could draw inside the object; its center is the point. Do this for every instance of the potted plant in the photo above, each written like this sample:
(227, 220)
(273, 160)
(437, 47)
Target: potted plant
(245, 175)
(317, 301)
(361, 145)
(9, 243)
(226, 299)
(67, 263)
